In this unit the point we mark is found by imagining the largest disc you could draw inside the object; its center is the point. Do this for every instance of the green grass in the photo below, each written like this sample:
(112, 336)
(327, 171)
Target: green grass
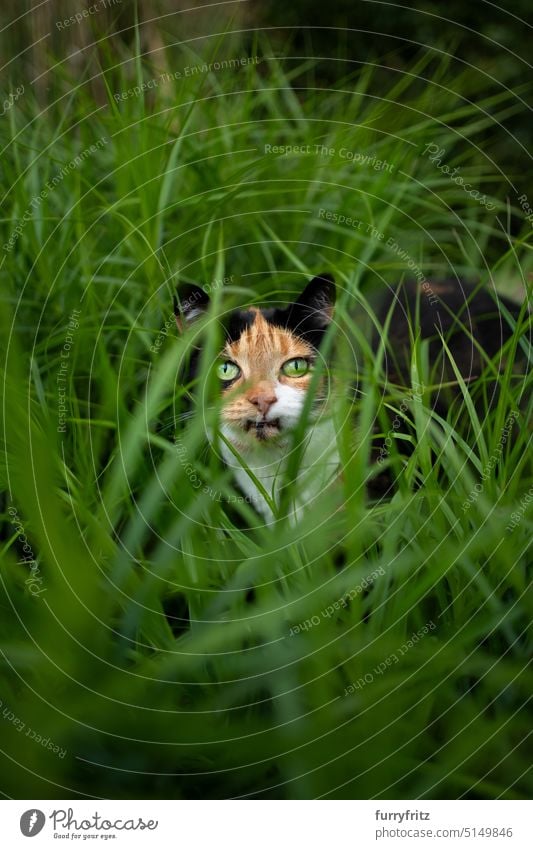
(222, 700)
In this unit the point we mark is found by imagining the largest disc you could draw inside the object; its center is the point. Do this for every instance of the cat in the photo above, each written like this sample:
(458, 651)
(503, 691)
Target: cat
(265, 370)
(269, 355)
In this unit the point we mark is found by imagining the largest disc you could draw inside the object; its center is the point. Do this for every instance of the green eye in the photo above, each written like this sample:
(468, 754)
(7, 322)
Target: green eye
(295, 368)
(228, 370)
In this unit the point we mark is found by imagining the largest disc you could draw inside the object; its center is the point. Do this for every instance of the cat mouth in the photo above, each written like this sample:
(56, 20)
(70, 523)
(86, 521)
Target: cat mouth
(263, 429)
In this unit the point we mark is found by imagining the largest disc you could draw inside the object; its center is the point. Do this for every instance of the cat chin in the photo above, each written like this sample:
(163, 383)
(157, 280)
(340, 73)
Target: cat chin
(250, 436)
(263, 431)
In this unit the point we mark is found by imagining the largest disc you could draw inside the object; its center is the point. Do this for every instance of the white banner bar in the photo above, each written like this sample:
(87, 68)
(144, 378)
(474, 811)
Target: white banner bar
(268, 824)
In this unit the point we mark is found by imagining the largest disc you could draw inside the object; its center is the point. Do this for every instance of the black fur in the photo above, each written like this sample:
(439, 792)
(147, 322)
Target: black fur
(308, 317)
(460, 312)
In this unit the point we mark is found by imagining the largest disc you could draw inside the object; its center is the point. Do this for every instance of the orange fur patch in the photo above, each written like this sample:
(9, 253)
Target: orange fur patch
(260, 352)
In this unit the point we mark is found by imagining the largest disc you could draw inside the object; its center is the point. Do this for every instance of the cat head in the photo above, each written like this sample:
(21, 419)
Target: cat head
(265, 366)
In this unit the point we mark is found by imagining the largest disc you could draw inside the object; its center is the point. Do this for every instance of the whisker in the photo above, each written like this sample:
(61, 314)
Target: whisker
(186, 415)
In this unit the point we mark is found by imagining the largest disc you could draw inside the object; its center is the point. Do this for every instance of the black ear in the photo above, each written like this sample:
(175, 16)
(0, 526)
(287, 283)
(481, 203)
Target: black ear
(190, 302)
(317, 300)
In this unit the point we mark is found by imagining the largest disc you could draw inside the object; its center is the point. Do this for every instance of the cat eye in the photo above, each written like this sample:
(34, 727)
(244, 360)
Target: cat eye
(228, 370)
(296, 367)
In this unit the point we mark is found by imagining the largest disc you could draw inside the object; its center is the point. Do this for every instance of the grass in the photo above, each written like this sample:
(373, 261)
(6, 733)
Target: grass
(151, 632)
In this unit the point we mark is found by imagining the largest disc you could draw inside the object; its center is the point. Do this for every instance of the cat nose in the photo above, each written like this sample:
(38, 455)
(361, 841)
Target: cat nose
(262, 397)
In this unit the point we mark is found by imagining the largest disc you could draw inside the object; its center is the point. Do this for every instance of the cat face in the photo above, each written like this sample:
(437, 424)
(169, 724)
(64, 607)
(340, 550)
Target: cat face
(266, 364)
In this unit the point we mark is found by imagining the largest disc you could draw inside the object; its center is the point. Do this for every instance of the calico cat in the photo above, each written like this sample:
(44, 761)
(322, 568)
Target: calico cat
(267, 361)
(265, 370)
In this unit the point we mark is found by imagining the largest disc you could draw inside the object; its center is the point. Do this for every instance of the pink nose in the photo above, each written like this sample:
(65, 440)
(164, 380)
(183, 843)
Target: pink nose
(262, 400)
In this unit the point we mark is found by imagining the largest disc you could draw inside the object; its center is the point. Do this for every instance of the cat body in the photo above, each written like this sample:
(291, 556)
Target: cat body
(469, 318)
(317, 468)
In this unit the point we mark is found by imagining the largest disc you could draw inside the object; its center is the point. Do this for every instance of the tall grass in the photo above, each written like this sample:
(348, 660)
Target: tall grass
(157, 638)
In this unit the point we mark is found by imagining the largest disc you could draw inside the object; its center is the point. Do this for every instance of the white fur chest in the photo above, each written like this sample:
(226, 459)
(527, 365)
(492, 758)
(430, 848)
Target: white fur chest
(268, 464)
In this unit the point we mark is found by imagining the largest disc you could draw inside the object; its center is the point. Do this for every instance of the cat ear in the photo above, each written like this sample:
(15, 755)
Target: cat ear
(318, 300)
(190, 302)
